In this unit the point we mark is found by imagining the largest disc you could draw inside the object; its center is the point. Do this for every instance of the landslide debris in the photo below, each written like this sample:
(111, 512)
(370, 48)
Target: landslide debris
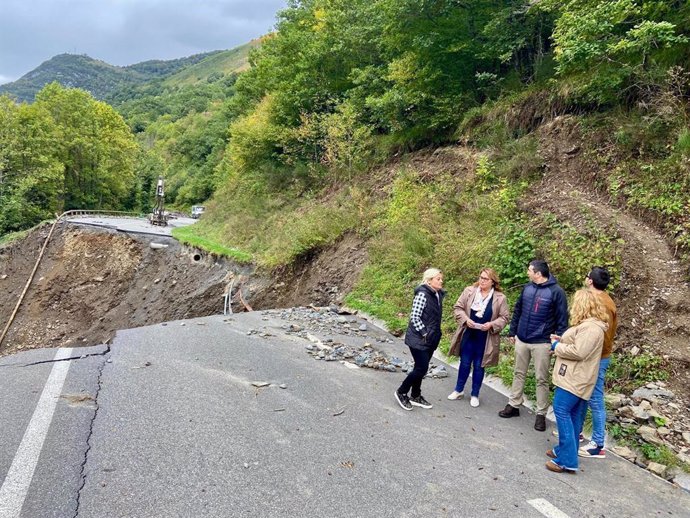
(93, 281)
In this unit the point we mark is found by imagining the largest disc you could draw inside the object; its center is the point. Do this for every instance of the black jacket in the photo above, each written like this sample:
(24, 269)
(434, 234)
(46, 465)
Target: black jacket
(430, 336)
(541, 310)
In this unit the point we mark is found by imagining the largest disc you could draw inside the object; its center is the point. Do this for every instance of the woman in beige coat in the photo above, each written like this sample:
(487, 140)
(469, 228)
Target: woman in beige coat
(481, 313)
(575, 373)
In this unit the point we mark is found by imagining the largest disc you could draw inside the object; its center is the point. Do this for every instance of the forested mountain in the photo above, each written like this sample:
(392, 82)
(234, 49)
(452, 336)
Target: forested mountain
(95, 76)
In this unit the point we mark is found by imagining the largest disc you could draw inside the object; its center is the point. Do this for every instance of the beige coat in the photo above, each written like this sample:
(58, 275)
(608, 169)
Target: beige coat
(500, 314)
(577, 358)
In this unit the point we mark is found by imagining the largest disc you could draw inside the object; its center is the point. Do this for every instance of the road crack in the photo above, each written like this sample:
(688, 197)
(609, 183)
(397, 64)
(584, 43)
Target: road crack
(99, 386)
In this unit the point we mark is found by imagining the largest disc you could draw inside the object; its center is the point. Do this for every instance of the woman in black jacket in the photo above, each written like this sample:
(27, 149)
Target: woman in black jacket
(422, 337)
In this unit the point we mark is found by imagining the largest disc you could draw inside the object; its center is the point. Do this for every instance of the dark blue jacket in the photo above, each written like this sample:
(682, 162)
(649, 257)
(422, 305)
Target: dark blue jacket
(541, 310)
(431, 318)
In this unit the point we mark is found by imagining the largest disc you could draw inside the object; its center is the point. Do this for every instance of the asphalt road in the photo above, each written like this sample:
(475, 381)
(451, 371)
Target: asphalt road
(167, 423)
(136, 225)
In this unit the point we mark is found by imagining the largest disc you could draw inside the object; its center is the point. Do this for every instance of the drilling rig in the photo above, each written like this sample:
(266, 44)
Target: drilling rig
(157, 217)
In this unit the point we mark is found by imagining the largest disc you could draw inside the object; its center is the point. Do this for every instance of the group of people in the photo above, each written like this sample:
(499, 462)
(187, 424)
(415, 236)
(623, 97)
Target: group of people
(538, 329)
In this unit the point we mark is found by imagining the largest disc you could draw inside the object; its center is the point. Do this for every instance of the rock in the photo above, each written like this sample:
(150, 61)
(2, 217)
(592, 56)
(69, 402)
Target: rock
(3, 277)
(634, 350)
(640, 414)
(282, 385)
(625, 452)
(363, 327)
(645, 405)
(652, 394)
(614, 401)
(438, 372)
(648, 434)
(260, 384)
(686, 437)
(657, 469)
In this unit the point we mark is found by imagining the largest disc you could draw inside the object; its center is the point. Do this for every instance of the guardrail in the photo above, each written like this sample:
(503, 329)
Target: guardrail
(106, 213)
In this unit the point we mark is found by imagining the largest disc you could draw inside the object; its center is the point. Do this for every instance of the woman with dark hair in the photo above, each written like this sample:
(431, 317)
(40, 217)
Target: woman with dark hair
(422, 337)
(481, 313)
(575, 373)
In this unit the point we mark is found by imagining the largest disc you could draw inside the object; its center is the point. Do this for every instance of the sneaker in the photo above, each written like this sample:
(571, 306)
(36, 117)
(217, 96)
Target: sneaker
(509, 411)
(592, 450)
(552, 466)
(474, 401)
(456, 395)
(403, 400)
(540, 423)
(420, 401)
(550, 454)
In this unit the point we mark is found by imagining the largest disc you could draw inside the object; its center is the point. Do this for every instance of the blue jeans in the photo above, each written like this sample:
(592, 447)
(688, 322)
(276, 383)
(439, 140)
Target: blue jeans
(470, 357)
(568, 409)
(596, 404)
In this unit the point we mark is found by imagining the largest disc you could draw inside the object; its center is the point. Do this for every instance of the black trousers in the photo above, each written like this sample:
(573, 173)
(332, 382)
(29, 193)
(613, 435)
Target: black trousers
(422, 357)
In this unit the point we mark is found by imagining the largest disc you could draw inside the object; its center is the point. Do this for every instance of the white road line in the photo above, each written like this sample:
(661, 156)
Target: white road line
(18, 479)
(546, 508)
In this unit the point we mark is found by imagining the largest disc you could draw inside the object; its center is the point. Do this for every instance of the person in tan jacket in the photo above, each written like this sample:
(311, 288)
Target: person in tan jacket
(575, 373)
(481, 313)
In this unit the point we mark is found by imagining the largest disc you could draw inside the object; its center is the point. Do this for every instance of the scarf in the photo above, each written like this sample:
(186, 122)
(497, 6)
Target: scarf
(479, 304)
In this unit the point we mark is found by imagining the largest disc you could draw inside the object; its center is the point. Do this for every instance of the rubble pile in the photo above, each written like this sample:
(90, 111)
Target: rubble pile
(335, 321)
(653, 416)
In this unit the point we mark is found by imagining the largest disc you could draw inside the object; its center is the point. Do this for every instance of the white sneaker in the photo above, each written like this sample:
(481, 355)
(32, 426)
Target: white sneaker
(455, 395)
(474, 401)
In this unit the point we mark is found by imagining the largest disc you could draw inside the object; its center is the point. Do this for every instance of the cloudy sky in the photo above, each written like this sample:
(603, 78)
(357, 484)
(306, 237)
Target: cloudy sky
(124, 32)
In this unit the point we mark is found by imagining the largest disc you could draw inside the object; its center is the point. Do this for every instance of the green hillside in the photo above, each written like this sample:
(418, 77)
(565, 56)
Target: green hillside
(213, 67)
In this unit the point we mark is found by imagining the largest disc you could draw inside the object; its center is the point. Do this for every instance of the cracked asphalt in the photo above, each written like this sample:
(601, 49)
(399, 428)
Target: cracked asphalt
(168, 422)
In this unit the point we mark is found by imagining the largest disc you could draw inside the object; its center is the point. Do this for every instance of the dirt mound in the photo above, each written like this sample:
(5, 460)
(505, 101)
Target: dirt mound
(94, 281)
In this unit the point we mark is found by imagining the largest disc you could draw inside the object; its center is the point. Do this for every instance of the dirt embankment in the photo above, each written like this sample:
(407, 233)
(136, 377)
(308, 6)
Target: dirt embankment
(653, 297)
(93, 282)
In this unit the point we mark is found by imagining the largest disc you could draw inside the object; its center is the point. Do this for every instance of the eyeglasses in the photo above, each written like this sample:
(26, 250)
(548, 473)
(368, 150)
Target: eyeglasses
(484, 278)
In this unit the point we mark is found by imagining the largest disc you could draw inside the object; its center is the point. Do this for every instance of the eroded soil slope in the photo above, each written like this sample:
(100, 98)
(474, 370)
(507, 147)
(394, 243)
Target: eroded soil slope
(654, 296)
(93, 281)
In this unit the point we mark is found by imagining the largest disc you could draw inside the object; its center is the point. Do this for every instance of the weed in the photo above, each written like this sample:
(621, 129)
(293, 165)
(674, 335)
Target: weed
(627, 372)
(187, 236)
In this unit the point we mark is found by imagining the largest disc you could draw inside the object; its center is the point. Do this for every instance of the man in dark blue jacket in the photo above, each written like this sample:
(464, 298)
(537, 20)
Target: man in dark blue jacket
(541, 310)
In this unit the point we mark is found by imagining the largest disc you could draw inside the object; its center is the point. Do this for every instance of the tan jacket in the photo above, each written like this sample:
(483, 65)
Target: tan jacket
(577, 358)
(500, 315)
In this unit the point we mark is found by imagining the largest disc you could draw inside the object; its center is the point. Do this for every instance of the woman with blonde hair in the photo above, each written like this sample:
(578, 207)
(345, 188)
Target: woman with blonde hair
(481, 313)
(422, 337)
(575, 373)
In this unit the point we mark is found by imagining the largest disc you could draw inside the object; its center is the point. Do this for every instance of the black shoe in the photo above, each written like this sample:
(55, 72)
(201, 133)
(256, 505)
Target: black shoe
(420, 401)
(509, 411)
(540, 423)
(403, 400)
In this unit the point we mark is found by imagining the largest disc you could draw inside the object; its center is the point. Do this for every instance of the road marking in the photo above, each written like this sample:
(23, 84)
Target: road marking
(16, 485)
(546, 508)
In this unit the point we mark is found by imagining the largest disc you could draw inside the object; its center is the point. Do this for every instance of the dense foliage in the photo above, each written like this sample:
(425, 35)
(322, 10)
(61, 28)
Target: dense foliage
(64, 151)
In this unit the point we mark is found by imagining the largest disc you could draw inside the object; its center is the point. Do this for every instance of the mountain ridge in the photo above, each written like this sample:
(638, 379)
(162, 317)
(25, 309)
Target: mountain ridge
(95, 76)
